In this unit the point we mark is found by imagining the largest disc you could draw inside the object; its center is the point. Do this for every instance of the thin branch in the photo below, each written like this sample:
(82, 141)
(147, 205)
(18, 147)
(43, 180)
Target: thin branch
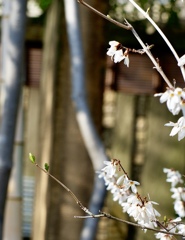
(107, 215)
(102, 214)
(104, 16)
(66, 188)
(148, 52)
(128, 26)
(145, 14)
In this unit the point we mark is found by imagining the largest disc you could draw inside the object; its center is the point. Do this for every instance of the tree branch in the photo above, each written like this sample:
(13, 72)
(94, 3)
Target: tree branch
(128, 26)
(102, 214)
(146, 15)
(107, 215)
(104, 16)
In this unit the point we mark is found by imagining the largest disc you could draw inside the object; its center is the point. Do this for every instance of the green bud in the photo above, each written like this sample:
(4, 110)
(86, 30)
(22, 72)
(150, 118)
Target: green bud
(46, 166)
(165, 219)
(32, 158)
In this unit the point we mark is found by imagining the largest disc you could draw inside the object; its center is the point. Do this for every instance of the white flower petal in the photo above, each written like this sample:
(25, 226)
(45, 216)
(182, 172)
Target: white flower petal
(181, 134)
(114, 43)
(126, 61)
(174, 131)
(118, 56)
(170, 124)
(181, 61)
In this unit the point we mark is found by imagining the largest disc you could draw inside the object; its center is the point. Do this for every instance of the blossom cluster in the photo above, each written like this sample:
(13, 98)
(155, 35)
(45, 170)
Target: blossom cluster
(118, 53)
(125, 191)
(175, 101)
(175, 178)
(173, 226)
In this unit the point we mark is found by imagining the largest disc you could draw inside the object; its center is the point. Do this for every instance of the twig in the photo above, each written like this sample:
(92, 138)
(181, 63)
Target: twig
(67, 189)
(102, 214)
(148, 52)
(104, 16)
(146, 15)
(107, 215)
(128, 26)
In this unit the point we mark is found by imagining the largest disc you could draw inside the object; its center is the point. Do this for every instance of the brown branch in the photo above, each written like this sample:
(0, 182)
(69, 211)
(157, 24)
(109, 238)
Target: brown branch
(104, 214)
(107, 215)
(125, 26)
(128, 26)
(67, 189)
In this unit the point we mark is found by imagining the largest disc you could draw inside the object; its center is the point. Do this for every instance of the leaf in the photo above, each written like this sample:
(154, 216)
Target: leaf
(44, 4)
(46, 166)
(32, 157)
(165, 219)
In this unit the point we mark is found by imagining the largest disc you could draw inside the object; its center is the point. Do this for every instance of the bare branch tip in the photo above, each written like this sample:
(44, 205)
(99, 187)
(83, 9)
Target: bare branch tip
(80, 1)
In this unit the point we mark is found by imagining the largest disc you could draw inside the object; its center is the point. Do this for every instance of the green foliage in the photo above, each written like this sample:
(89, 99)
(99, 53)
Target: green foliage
(32, 158)
(46, 166)
(44, 4)
(163, 12)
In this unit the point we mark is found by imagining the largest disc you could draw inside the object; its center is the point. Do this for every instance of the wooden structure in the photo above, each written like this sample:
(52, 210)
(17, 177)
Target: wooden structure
(141, 77)
(33, 55)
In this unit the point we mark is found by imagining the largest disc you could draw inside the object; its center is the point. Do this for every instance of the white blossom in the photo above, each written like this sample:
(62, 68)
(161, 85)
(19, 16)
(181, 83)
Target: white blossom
(117, 53)
(120, 195)
(122, 180)
(108, 173)
(181, 61)
(173, 99)
(126, 60)
(141, 210)
(132, 185)
(131, 200)
(163, 236)
(118, 56)
(124, 191)
(128, 184)
(173, 176)
(110, 168)
(178, 128)
(181, 229)
(178, 193)
(114, 46)
(171, 228)
(179, 208)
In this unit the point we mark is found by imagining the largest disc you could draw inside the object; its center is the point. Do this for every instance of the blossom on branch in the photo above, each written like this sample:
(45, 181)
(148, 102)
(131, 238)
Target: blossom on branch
(164, 236)
(118, 53)
(124, 191)
(179, 208)
(128, 183)
(141, 210)
(171, 227)
(178, 128)
(173, 176)
(181, 229)
(173, 98)
(181, 61)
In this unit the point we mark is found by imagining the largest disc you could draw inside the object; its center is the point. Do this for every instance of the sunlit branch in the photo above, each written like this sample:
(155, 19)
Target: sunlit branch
(102, 214)
(148, 52)
(146, 15)
(107, 215)
(67, 189)
(104, 16)
(128, 26)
